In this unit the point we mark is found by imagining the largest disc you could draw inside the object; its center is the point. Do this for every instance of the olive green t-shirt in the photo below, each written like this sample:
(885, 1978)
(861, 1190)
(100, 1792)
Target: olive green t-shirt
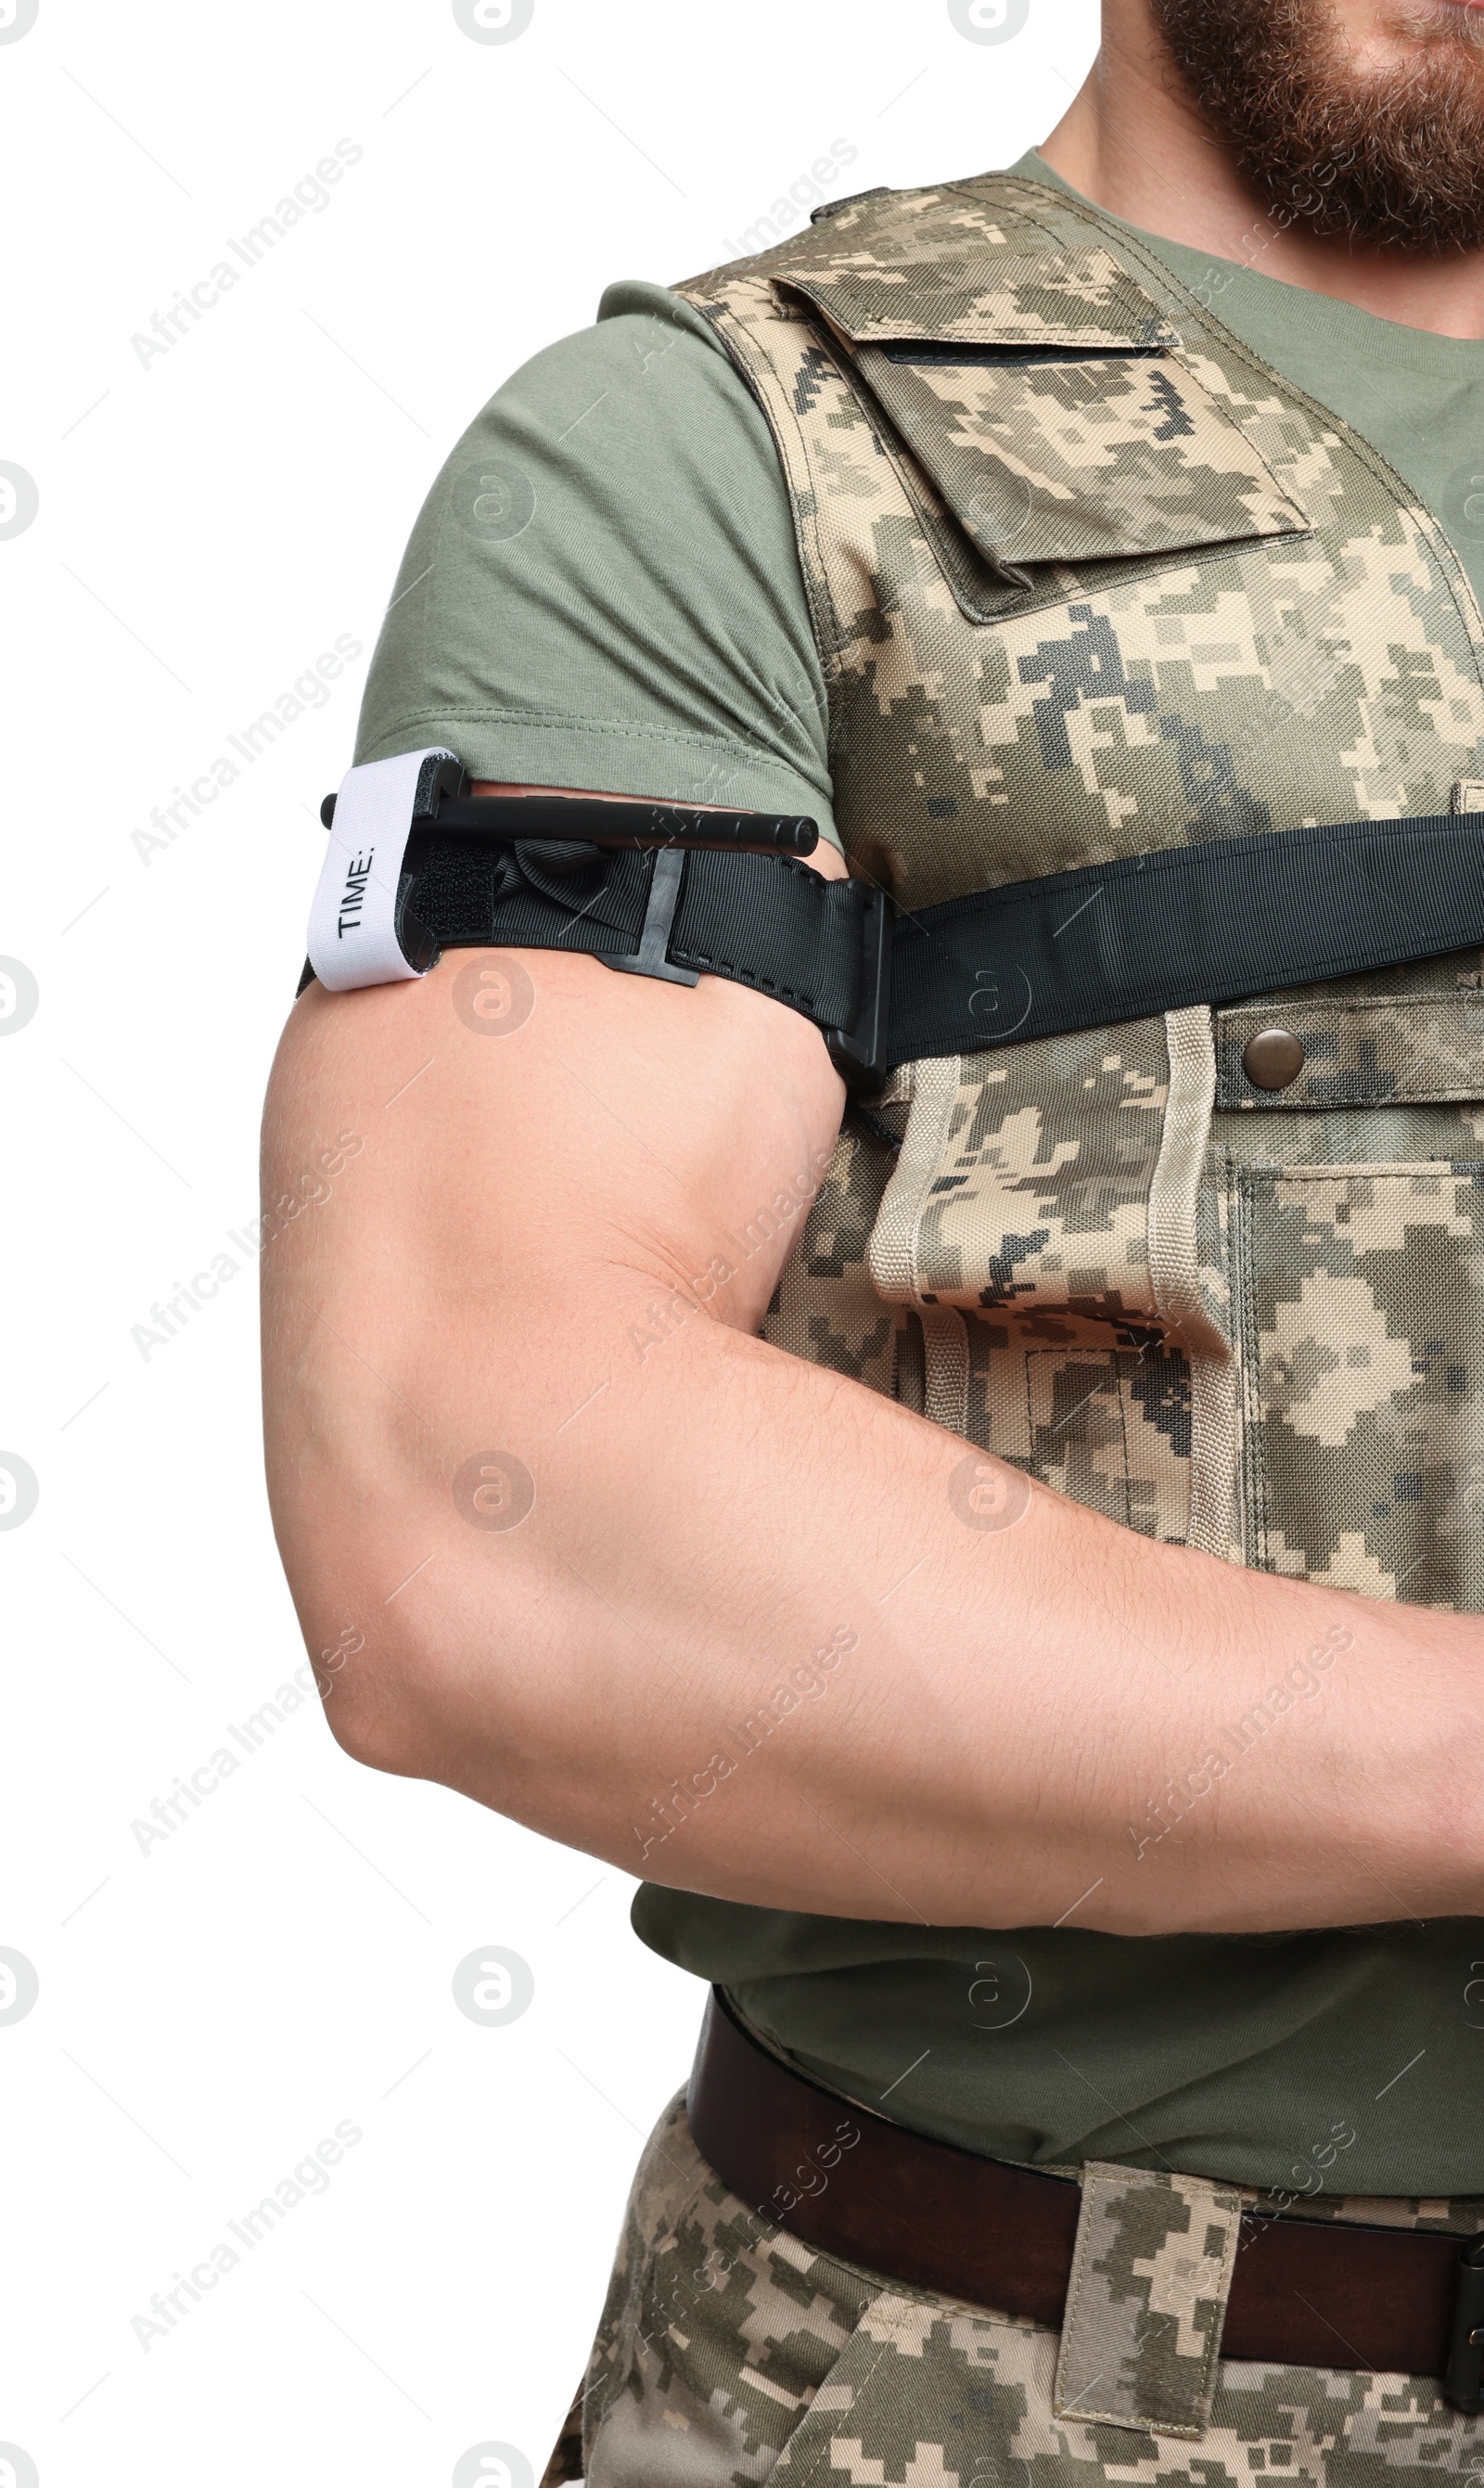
(603, 590)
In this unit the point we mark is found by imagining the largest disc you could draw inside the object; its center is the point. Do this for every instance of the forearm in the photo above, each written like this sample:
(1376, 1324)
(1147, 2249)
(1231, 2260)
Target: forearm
(993, 1731)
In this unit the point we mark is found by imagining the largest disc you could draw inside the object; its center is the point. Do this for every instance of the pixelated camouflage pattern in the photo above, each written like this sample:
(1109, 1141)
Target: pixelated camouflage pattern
(1362, 1296)
(1036, 1192)
(1078, 461)
(1151, 2273)
(1104, 1417)
(729, 2353)
(1083, 298)
(1449, 2215)
(1364, 1049)
(1322, 673)
(1110, 1258)
(826, 1309)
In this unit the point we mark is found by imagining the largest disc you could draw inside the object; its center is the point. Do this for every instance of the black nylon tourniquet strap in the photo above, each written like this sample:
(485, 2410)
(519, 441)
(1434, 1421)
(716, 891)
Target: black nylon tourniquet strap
(761, 920)
(1215, 924)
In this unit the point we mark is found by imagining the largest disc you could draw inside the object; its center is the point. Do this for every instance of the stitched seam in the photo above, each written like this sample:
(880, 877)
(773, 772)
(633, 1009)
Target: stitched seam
(936, 517)
(1382, 1168)
(1256, 1425)
(741, 976)
(1237, 1094)
(1223, 1177)
(947, 1100)
(742, 343)
(891, 1249)
(928, 506)
(621, 2366)
(1023, 194)
(1458, 1003)
(1121, 1391)
(1090, 2186)
(1192, 2430)
(1449, 1094)
(1155, 266)
(1172, 1202)
(563, 720)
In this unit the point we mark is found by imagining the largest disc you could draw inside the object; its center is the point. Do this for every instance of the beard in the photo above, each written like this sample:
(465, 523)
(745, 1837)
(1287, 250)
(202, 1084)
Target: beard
(1392, 157)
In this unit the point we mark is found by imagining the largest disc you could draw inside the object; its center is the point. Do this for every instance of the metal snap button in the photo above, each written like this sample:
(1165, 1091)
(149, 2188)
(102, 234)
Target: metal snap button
(1273, 1058)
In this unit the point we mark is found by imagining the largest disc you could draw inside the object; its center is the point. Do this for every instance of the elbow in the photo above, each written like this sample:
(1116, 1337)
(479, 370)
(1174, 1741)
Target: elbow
(381, 1718)
(434, 1681)
(440, 1712)
(345, 1522)
(380, 1678)
(442, 1652)
(380, 1698)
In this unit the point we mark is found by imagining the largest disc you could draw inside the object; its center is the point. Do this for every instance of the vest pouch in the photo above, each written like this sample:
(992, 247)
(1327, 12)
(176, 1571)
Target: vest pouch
(1259, 1330)
(1044, 439)
(1045, 1223)
(1361, 1293)
(1354, 1216)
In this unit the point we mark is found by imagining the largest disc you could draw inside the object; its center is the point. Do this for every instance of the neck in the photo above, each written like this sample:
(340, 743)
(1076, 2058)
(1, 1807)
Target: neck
(1134, 144)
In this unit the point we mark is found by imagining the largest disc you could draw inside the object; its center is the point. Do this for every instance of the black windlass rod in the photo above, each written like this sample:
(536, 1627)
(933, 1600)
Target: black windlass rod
(510, 820)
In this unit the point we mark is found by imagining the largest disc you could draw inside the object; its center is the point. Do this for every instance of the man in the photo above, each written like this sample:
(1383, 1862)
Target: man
(1001, 1556)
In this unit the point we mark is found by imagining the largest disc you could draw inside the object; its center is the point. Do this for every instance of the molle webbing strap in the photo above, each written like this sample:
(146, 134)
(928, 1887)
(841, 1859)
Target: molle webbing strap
(1219, 923)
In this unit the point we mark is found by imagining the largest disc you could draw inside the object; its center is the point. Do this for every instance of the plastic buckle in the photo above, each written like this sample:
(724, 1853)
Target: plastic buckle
(652, 957)
(856, 1051)
(1463, 2378)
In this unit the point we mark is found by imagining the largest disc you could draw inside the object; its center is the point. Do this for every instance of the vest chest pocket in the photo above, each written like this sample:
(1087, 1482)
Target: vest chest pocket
(1360, 1298)
(1248, 1322)
(1353, 1210)
(1047, 423)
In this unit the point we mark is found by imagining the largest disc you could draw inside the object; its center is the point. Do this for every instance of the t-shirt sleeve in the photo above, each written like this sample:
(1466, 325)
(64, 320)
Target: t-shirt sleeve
(603, 590)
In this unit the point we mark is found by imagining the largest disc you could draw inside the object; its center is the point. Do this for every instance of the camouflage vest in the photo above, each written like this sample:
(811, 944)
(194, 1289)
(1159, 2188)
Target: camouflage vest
(1089, 580)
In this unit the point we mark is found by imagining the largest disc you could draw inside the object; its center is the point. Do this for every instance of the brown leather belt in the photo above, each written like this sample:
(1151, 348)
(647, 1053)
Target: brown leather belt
(1305, 2293)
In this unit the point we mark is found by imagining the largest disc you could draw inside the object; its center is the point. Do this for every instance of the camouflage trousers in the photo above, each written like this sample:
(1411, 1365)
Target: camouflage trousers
(730, 2353)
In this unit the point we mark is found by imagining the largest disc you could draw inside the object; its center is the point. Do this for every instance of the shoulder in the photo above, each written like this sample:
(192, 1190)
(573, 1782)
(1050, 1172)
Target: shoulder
(651, 357)
(944, 221)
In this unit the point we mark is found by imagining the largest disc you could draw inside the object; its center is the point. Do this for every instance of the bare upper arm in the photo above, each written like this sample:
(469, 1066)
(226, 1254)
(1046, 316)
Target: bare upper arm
(502, 1164)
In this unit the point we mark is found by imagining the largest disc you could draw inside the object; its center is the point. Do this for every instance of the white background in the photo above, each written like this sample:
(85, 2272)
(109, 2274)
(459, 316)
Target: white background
(206, 525)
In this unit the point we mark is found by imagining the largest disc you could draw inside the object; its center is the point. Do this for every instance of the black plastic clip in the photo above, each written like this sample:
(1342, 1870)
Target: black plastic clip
(652, 957)
(856, 1051)
(1463, 2380)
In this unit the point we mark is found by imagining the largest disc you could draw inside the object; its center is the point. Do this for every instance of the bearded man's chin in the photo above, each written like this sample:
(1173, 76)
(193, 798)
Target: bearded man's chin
(1392, 156)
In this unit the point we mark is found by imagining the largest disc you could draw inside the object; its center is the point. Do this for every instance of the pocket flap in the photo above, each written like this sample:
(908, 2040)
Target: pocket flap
(1047, 411)
(1042, 458)
(1358, 1050)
